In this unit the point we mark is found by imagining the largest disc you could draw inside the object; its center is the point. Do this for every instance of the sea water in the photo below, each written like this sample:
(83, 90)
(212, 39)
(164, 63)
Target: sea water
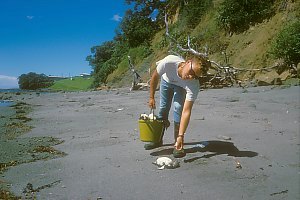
(6, 103)
(10, 90)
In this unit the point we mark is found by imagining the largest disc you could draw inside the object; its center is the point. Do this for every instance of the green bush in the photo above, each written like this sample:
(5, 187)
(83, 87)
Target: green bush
(287, 44)
(105, 59)
(33, 81)
(193, 10)
(238, 15)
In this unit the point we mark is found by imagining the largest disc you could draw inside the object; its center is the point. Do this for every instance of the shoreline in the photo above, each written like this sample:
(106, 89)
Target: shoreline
(14, 150)
(257, 127)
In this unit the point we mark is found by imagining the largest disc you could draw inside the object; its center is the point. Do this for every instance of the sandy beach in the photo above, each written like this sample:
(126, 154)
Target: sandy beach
(104, 159)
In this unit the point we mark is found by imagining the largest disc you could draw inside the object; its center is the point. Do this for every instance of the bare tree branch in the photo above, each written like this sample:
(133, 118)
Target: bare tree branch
(225, 73)
(189, 49)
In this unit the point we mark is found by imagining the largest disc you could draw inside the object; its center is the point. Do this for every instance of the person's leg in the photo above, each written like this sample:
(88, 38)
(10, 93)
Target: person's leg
(166, 96)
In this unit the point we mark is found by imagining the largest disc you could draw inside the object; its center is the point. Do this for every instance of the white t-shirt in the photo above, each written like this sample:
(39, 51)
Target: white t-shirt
(167, 68)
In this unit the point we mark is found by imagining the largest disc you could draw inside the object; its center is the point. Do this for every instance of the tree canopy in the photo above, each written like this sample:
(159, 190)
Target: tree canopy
(33, 81)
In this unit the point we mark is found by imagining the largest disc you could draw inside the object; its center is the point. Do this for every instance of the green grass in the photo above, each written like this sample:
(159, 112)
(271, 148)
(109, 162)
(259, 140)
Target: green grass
(76, 84)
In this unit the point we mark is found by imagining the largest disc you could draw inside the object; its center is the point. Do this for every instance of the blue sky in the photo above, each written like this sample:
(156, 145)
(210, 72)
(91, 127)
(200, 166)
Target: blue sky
(53, 36)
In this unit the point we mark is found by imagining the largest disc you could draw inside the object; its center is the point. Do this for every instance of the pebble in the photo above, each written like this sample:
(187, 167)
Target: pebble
(224, 137)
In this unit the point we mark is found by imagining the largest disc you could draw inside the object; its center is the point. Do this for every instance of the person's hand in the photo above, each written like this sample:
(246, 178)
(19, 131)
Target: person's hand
(179, 143)
(152, 103)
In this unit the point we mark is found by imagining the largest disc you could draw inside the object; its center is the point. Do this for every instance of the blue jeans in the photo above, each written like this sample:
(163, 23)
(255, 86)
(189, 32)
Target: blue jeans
(167, 93)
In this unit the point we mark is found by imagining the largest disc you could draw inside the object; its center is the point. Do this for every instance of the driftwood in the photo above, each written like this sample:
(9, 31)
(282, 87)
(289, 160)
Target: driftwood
(137, 82)
(218, 75)
(189, 49)
(223, 75)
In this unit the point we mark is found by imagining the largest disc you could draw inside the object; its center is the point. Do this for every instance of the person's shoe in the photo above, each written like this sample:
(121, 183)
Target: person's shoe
(152, 145)
(178, 153)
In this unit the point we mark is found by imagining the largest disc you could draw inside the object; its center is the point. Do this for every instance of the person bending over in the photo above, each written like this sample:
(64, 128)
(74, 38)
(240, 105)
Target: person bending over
(179, 85)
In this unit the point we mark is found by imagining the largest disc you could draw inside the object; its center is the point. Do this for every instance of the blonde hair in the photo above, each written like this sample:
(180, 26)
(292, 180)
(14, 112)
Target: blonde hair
(204, 63)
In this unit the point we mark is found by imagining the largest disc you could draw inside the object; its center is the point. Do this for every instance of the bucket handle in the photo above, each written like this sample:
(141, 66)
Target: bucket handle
(152, 111)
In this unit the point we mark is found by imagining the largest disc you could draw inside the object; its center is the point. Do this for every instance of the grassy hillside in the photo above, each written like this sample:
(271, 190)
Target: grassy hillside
(249, 49)
(74, 84)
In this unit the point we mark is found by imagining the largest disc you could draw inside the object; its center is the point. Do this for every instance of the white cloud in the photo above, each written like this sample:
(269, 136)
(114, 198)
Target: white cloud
(117, 18)
(8, 82)
(29, 17)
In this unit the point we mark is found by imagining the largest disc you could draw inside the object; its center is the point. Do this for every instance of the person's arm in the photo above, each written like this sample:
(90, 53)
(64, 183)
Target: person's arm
(153, 86)
(185, 119)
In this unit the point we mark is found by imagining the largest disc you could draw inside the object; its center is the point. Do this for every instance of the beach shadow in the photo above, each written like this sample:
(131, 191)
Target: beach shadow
(214, 147)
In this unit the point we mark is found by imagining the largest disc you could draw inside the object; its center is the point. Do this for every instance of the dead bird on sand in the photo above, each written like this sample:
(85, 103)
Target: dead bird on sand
(165, 162)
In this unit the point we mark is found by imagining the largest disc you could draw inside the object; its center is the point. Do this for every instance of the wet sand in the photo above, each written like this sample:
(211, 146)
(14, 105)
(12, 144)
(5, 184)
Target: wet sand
(257, 127)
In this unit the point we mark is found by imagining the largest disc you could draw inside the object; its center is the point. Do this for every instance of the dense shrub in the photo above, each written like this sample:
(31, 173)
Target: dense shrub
(287, 44)
(33, 81)
(104, 60)
(238, 15)
(193, 10)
